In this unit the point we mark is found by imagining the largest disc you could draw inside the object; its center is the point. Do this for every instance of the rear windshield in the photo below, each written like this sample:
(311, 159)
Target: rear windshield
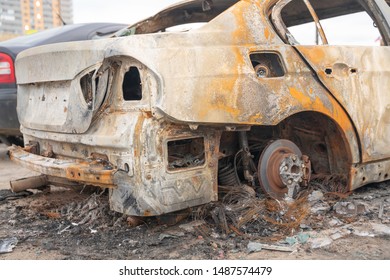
(184, 16)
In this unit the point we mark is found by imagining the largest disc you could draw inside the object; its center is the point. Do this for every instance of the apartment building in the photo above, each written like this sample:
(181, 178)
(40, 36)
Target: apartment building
(18, 17)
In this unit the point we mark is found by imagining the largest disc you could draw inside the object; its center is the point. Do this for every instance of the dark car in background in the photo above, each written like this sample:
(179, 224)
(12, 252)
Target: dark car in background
(9, 124)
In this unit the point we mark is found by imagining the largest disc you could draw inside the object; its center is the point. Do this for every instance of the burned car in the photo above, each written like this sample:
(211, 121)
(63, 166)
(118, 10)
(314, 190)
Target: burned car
(162, 117)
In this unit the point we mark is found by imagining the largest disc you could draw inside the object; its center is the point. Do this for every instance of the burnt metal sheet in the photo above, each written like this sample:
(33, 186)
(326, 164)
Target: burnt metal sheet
(357, 77)
(86, 53)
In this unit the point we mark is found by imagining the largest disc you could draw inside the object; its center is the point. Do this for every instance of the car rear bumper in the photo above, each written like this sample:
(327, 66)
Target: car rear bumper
(9, 123)
(91, 172)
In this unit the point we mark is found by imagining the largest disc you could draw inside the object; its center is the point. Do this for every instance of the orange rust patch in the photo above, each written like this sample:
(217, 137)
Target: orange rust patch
(147, 213)
(242, 34)
(266, 33)
(219, 104)
(94, 175)
(255, 118)
(301, 98)
(335, 111)
(222, 95)
(147, 114)
(316, 55)
(310, 104)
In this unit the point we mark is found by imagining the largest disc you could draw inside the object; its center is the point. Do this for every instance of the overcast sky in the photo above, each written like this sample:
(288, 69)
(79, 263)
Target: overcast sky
(121, 11)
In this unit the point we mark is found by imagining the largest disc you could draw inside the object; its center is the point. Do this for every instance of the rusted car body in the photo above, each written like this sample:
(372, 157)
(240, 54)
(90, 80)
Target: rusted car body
(162, 118)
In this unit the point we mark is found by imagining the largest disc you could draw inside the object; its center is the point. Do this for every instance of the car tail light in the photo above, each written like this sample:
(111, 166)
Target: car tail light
(7, 71)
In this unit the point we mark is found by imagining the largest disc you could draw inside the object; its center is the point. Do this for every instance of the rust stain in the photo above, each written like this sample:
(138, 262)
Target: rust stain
(301, 98)
(147, 213)
(86, 173)
(317, 55)
(267, 34)
(221, 103)
(242, 33)
(255, 118)
(137, 133)
(147, 114)
(90, 172)
(222, 95)
(334, 111)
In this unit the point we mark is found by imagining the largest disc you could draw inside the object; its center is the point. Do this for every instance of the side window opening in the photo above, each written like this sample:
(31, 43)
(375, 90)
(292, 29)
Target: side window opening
(343, 22)
(352, 29)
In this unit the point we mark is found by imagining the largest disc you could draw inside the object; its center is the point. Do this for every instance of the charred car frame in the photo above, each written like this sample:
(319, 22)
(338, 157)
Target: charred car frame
(163, 117)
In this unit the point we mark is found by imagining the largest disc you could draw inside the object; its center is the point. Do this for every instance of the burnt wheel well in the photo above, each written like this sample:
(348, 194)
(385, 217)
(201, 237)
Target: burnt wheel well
(315, 134)
(321, 139)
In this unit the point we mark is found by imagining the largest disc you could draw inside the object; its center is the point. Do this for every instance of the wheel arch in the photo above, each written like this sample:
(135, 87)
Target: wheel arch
(318, 135)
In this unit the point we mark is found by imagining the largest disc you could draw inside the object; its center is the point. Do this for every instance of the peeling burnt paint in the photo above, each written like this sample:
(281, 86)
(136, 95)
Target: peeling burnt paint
(162, 118)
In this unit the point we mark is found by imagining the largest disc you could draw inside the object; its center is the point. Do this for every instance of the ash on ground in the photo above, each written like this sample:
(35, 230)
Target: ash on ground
(319, 224)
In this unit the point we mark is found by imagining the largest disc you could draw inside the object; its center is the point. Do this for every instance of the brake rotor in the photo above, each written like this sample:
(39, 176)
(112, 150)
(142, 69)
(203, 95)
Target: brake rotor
(280, 169)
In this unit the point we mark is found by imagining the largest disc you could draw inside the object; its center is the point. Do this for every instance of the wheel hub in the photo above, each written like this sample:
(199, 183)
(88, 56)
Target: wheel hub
(282, 169)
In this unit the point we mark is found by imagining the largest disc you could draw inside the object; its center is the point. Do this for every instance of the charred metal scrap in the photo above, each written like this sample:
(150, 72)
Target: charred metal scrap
(161, 115)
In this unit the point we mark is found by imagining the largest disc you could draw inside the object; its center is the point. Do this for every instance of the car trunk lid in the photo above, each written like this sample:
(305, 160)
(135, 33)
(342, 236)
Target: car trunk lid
(60, 86)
